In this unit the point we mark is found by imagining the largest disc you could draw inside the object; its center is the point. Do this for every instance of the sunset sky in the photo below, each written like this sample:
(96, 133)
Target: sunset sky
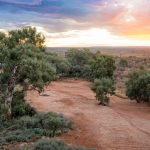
(81, 22)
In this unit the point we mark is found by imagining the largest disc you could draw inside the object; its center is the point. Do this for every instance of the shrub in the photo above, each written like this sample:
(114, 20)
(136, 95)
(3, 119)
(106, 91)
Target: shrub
(123, 62)
(49, 144)
(19, 107)
(60, 63)
(28, 127)
(102, 66)
(53, 144)
(103, 87)
(55, 123)
(20, 135)
(79, 60)
(51, 122)
(29, 122)
(138, 86)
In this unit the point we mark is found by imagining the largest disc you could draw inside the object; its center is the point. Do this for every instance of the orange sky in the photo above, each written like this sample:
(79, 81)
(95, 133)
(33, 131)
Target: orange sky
(81, 22)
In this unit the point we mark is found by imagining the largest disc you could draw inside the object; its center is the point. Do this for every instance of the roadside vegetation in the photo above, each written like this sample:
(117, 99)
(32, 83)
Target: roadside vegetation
(51, 144)
(27, 128)
(102, 87)
(97, 68)
(25, 65)
(138, 86)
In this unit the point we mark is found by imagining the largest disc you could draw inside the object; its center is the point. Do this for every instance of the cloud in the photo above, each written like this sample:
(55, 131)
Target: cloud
(25, 2)
(61, 7)
(87, 38)
(124, 18)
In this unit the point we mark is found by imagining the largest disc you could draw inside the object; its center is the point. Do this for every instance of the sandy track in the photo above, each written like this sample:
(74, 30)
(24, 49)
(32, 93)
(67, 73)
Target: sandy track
(124, 125)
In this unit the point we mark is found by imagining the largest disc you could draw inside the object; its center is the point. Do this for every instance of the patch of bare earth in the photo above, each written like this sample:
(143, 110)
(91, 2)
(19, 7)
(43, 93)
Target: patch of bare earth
(124, 125)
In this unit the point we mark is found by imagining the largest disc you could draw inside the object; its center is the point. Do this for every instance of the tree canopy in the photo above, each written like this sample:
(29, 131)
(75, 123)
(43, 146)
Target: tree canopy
(102, 66)
(102, 87)
(79, 60)
(27, 35)
(138, 86)
(23, 62)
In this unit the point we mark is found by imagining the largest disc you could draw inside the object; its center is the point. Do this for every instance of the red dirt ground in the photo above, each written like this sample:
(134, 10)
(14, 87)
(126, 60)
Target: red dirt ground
(124, 125)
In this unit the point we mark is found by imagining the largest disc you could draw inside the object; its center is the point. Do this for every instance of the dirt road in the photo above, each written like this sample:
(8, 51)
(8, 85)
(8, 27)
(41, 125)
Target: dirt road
(124, 125)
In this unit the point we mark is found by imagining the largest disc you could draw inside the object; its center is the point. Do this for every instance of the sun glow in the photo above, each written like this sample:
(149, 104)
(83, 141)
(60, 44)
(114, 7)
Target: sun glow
(94, 23)
(91, 37)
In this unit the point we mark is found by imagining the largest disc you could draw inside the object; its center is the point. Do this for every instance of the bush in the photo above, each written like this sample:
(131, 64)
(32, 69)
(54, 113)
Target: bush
(60, 63)
(102, 66)
(103, 87)
(52, 122)
(20, 135)
(20, 107)
(82, 63)
(123, 62)
(138, 86)
(28, 127)
(55, 122)
(79, 60)
(29, 122)
(51, 144)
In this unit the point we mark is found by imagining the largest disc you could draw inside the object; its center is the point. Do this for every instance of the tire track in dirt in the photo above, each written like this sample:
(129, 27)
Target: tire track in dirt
(117, 127)
(132, 124)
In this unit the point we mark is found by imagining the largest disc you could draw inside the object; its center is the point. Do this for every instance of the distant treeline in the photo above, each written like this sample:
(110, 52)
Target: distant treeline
(141, 50)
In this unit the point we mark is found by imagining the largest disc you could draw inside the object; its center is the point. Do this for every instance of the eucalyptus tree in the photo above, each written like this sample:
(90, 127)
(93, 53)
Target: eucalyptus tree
(138, 86)
(103, 88)
(23, 62)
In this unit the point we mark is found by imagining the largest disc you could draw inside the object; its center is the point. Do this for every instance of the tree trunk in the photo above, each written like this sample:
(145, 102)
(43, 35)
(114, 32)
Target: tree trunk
(8, 102)
(9, 98)
(9, 93)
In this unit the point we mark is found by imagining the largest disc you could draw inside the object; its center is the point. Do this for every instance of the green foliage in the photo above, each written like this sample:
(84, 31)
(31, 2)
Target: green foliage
(102, 87)
(52, 144)
(93, 66)
(23, 62)
(34, 68)
(138, 86)
(102, 66)
(26, 128)
(102, 73)
(27, 35)
(123, 62)
(55, 122)
(20, 107)
(80, 62)
(51, 121)
(60, 63)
